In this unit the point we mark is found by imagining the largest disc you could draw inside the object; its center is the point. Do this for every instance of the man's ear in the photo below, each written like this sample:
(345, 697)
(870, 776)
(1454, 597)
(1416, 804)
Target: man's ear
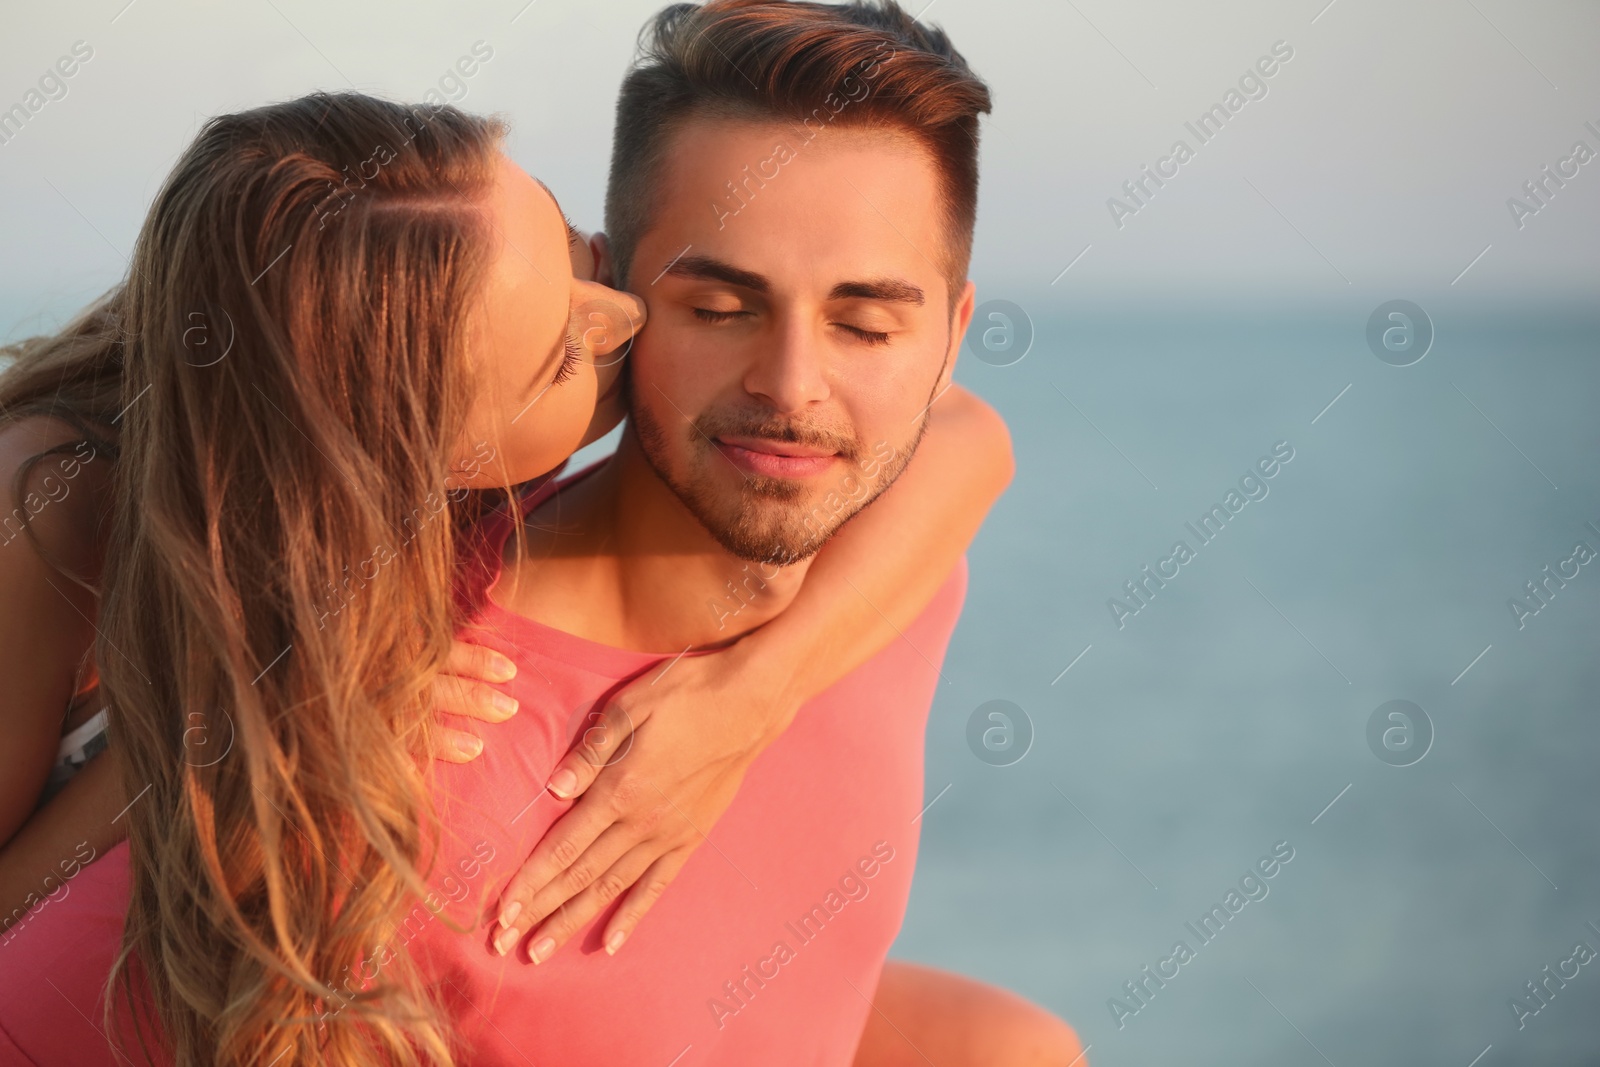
(604, 267)
(959, 321)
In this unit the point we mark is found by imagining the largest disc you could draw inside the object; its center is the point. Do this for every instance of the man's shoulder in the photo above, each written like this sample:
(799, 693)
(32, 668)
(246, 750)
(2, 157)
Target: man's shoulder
(916, 655)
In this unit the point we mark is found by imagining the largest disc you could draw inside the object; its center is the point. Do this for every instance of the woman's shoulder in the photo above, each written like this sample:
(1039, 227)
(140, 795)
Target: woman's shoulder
(53, 485)
(38, 453)
(49, 528)
(30, 434)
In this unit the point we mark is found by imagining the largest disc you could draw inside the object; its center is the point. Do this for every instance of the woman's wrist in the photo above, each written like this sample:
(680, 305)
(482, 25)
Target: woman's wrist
(768, 664)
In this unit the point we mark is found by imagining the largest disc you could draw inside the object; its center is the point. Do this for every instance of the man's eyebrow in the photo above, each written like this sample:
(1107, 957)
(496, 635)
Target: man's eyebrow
(705, 268)
(891, 289)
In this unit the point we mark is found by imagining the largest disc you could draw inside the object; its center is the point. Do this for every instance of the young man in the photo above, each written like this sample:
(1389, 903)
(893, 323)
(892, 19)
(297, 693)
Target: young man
(793, 194)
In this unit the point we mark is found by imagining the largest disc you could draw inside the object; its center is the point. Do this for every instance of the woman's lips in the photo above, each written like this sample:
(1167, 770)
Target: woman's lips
(774, 459)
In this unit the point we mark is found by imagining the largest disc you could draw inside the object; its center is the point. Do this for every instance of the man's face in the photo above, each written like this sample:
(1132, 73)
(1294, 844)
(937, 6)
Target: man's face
(800, 326)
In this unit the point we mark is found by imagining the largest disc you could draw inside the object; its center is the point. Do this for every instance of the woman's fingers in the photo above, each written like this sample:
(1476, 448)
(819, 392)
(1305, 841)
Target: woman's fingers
(643, 896)
(606, 738)
(577, 848)
(477, 661)
(454, 746)
(463, 688)
(577, 912)
(477, 700)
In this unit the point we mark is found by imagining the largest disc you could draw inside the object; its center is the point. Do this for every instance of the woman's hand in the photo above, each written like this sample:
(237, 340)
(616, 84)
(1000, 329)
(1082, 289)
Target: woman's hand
(463, 689)
(669, 752)
(653, 773)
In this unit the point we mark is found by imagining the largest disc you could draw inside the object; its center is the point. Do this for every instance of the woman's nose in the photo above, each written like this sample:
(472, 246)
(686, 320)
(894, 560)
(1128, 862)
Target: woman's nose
(605, 319)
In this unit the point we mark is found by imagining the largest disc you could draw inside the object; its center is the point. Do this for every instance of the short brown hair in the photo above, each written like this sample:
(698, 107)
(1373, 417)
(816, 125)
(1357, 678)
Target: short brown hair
(796, 62)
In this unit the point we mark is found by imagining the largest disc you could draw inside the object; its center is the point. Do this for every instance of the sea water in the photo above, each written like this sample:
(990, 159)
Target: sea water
(1445, 849)
(1161, 748)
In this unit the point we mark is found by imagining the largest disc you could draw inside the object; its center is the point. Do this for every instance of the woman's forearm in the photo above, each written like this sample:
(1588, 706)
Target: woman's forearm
(873, 578)
(700, 726)
(72, 830)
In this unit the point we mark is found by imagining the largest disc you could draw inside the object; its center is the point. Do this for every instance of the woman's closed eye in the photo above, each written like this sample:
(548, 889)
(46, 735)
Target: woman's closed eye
(570, 361)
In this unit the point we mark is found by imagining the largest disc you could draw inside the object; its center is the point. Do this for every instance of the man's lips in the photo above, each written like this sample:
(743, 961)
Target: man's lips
(774, 459)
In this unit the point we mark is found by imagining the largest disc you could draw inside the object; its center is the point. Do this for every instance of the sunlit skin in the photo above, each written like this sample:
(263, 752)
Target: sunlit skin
(547, 349)
(523, 420)
(547, 345)
(800, 314)
(784, 346)
(838, 265)
(803, 334)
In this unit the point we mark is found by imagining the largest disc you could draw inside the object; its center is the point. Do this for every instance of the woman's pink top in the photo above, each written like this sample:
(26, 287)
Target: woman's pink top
(766, 949)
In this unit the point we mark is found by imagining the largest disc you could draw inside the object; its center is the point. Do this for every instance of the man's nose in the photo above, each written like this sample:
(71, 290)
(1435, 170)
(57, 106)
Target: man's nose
(788, 372)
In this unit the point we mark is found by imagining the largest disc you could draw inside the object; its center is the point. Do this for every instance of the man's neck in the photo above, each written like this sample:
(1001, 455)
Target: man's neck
(617, 559)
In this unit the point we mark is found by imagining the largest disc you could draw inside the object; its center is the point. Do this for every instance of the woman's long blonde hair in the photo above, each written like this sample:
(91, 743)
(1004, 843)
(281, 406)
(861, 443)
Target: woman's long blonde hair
(291, 349)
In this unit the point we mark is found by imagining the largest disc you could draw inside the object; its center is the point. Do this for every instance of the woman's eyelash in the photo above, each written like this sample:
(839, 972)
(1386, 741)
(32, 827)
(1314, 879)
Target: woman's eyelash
(569, 362)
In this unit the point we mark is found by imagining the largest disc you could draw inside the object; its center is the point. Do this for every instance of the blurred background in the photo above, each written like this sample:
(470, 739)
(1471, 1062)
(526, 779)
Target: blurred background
(1352, 271)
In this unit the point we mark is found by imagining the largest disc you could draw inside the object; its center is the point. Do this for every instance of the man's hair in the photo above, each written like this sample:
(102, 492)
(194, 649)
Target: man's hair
(811, 65)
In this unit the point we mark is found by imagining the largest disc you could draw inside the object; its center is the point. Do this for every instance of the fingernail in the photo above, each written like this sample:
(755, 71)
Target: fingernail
(504, 940)
(541, 949)
(469, 746)
(615, 941)
(509, 915)
(501, 669)
(506, 705)
(563, 783)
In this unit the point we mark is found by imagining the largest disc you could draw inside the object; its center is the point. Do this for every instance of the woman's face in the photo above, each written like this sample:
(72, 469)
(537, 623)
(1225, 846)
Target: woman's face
(547, 347)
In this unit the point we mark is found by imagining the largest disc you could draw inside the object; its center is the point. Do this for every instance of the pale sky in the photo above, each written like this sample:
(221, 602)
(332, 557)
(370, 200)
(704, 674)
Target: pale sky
(1378, 164)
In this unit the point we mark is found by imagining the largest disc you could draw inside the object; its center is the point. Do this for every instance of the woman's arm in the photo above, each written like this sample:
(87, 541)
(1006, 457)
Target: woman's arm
(46, 637)
(700, 726)
(81, 822)
(46, 632)
(875, 577)
(74, 828)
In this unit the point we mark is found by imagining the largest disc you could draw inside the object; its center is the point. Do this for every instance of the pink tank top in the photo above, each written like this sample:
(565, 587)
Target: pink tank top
(766, 949)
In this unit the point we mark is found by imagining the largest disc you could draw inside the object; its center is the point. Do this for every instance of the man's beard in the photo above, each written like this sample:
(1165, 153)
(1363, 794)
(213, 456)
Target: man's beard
(768, 520)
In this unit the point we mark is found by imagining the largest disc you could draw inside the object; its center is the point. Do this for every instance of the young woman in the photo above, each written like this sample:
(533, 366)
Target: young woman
(56, 454)
(285, 511)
